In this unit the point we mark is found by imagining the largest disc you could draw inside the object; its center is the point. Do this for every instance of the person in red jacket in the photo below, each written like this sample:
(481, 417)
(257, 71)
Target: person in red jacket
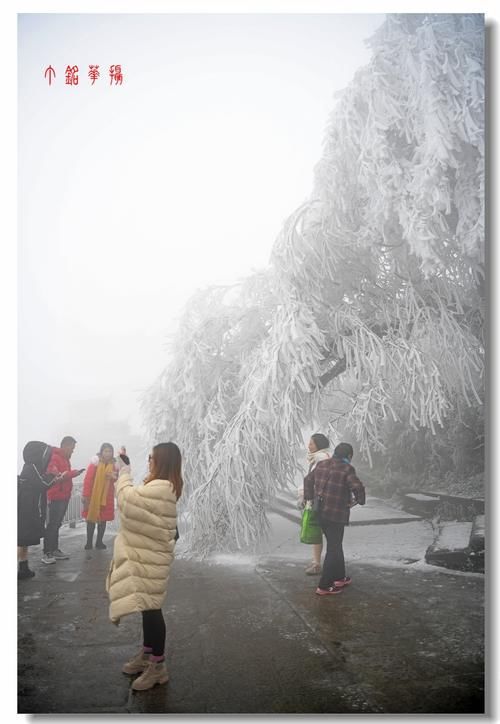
(98, 494)
(58, 498)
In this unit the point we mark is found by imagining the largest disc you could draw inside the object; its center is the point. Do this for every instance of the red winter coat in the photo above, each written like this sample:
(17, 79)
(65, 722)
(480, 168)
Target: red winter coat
(60, 464)
(108, 511)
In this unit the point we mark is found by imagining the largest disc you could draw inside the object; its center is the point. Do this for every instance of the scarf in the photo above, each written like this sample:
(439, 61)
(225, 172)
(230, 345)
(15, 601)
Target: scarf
(344, 460)
(314, 458)
(99, 492)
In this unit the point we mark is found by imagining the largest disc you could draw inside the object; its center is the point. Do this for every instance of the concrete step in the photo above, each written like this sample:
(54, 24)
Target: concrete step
(476, 542)
(453, 547)
(285, 513)
(375, 512)
(448, 507)
(421, 504)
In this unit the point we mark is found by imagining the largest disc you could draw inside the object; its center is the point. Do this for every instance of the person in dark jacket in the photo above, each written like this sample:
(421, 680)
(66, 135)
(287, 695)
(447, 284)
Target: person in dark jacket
(32, 485)
(335, 485)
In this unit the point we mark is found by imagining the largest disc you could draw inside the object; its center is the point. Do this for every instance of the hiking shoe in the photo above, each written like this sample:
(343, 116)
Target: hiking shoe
(343, 582)
(331, 591)
(313, 570)
(48, 558)
(25, 573)
(59, 555)
(136, 664)
(100, 545)
(154, 673)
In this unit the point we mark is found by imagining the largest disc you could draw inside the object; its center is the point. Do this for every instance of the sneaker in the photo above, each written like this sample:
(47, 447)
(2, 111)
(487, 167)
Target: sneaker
(48, 558)
(136, 664)
(59, 555)
(100, 545)
(154, 673)
(343, 582)
(331, 591)
(313, 570)
(88, 546)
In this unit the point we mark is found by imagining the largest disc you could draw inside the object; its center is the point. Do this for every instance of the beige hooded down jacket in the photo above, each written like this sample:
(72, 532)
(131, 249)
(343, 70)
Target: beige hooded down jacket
(144, 546)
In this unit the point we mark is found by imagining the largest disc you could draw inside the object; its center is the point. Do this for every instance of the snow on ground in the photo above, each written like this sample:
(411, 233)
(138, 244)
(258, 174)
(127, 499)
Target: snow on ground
(396, 542)
(421, 565)
(421, 496)
(479, 525)
(454, 535)
(401, 545)
(234, 559)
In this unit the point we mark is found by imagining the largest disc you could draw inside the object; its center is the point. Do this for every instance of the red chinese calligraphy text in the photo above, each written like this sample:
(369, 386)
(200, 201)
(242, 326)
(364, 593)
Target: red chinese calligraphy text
(93, 73)
(72, 75)
(115, 73)
(50, 70)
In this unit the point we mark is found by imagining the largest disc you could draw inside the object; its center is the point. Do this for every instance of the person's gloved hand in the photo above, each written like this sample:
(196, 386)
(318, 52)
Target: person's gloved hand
(123, 463)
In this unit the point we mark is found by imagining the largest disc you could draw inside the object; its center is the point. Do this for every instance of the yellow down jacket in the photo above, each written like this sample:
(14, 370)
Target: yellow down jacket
(144, 546)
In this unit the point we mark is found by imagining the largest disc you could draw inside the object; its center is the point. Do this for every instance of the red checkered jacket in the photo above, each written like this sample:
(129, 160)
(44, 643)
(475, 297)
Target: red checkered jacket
(334, 480)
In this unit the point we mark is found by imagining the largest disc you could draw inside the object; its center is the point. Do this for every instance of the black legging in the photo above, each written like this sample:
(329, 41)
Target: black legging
(101, 527)
(154, 630)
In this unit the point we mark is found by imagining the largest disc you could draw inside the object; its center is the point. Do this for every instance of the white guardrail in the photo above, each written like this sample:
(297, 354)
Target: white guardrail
(75, 509)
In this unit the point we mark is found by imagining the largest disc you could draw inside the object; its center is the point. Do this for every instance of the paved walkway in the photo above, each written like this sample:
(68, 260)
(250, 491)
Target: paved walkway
(246, 634)
(375, 512)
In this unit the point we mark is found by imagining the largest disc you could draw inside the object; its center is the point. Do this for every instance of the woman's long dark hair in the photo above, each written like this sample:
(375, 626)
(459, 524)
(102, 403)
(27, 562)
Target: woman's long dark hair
(320, 440)
(166, 465)
(104, 446)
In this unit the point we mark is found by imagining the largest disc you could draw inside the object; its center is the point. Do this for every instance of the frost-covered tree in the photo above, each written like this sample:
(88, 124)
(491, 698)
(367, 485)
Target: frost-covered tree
(374, 288)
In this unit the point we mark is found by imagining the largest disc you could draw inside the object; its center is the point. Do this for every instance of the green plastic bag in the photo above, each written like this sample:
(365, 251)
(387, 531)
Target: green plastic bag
(310, 531)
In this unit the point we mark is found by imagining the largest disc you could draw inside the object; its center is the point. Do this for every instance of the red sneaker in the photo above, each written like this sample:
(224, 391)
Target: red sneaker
(343, 582)
(331, 591)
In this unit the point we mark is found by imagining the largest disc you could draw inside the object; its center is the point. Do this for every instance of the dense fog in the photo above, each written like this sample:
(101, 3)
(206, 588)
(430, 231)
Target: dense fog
(133, 196)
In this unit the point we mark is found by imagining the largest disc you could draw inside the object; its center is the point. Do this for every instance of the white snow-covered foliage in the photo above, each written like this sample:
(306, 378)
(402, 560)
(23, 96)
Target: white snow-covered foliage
(374, 288)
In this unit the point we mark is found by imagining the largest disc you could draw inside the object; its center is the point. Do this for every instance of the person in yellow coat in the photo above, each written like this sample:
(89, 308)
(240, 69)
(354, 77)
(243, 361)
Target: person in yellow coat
(143, 554)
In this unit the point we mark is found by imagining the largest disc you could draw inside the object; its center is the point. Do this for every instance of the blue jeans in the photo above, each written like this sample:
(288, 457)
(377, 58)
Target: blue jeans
(333, 565)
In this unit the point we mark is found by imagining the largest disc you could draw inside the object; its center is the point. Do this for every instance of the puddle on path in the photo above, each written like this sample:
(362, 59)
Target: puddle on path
(37, 594)
(70, 577)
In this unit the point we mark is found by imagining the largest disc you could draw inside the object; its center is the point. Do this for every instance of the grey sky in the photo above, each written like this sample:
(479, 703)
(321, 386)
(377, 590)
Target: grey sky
(133, 196)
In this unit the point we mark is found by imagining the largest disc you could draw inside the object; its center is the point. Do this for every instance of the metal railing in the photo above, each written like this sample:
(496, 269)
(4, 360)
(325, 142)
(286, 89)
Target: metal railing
(74, 512)
(75, 507)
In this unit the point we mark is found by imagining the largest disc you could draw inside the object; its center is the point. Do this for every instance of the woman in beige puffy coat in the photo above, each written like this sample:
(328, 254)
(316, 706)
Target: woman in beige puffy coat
(143, 554)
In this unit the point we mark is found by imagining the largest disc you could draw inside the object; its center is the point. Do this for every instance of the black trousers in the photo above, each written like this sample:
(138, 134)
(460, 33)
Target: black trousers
(333, 565)
(154, 630)
(101, 527)
(57, 511)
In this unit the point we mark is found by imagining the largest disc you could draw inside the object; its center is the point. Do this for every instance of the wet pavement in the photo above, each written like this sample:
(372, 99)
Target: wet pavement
(247, 634)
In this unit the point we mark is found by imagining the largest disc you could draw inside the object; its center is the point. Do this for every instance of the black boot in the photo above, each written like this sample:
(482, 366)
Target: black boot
(101, 527)
(23, 571)
(90, 535)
